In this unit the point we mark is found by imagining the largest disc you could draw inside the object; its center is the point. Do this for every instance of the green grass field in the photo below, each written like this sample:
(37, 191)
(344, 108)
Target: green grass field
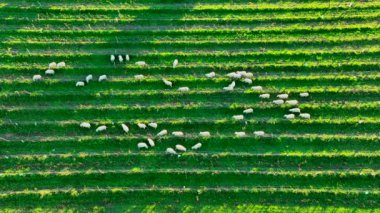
(328, 163)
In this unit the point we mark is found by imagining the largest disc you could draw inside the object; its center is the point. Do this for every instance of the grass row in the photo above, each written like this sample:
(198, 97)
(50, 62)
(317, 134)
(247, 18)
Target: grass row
(145, 98)
(279, 144)
(270, 84)
(191, 127)
(192, 179)
(223, 161)
(208, 196)
(197, 112)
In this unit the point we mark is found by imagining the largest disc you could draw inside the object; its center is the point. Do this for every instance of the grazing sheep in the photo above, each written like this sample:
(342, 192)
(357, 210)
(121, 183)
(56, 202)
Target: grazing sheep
(139, 77)
(167, 83)
(205, 134)
(142, 145)
(102, 78)
(171, 151)
(239, 134)
(151, 142)
(181, 148)
(52, 65)
(141, 63)
(238, 117)
(89, 78)
(101, 128)
(61, 65)
(85, 125)
(234, 75)
(295, 110)
(153, 125)
(112, 58)
(232, 84)
(141, 126)
(163, 132)
(248, 111)
(183, 89)
(289, 116)
(125, 128)
(178, 134)
(210, 75)
(247, 80)
(259, 133)
(264, 96)
(196, 146)
(248, 75)
(175, 63)
(304, 94)
(127, 57)
(282, 96)
(121, 59)
(228, 88)
(49, 72)
(305, 115)
(278, 102)
(292, 102)
(37, 77)
(79, 84)
(257, 88)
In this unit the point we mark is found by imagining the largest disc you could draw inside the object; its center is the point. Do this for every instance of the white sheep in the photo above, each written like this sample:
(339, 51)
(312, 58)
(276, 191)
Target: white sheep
(228, 88)
(127, 57)
(167, 83)
(239, 134)
(238, 117)
(234, 75)
(85, 125)
(210, 75)
(248, 75)
(52, 65)
(101, 128)
(292, 102)
(142, 145)
(282, 96)
(248, 111)
(139, 77)
(264, 96)
(89, 78)
(151, 142)
(79, 84)
(257, 88)
(205, 134)
(102, 78)
(175, 63)
(49, 72)
(141, 63)
(61, 65)
(304, 94)
(183, 89)
(153, 125)
(247, 80)
(295, 110)
(112, 58)
(178, 134)
(121, 59)
(289, 116)
(37, 77)
(141, 125)
(259, 133)
(181, 148)
(196, 146)
(305, 115)
(162, 133)
(171, 151)
(125, 128)
(232, 84)
(278, 102)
